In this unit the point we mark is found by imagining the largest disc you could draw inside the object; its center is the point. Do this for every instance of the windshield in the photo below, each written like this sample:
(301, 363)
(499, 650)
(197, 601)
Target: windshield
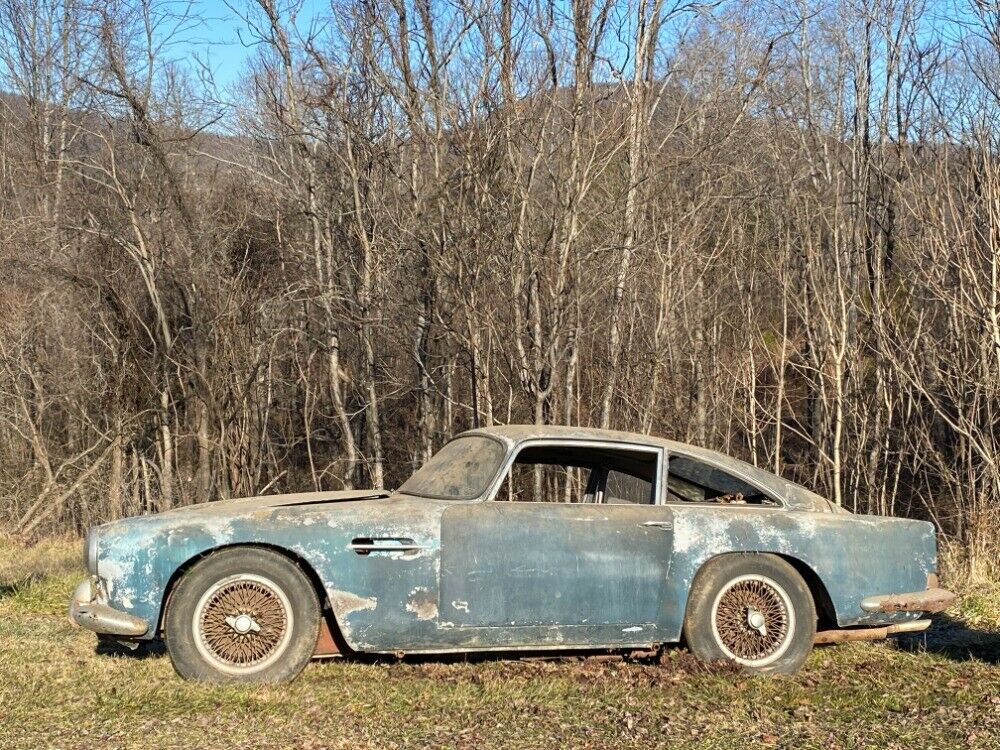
(461, 470)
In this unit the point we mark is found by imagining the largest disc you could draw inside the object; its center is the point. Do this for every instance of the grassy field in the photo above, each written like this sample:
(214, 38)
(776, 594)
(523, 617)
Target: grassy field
(57, 691)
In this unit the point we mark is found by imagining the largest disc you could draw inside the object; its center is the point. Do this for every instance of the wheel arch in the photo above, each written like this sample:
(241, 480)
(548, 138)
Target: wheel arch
(326, 610)
(826, 613)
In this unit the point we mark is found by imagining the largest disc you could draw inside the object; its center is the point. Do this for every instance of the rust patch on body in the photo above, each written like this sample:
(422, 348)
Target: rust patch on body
(845, 635)
(423, 604)
(325, 643)
(931, 600)
(344, 602)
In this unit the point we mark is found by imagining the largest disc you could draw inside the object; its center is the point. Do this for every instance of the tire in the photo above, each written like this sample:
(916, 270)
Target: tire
(241, 615)
(753, 610)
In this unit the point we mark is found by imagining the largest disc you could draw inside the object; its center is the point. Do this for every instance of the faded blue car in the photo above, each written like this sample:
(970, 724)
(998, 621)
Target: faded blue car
(513, 538)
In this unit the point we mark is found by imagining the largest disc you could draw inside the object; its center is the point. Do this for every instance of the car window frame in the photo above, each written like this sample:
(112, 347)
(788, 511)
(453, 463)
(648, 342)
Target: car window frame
(659, 486)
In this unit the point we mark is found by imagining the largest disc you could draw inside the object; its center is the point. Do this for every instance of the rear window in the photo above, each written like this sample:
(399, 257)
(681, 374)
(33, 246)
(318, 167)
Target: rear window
(697, 482)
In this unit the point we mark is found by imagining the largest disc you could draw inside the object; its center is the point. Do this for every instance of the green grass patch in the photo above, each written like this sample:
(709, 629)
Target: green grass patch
(56, 690)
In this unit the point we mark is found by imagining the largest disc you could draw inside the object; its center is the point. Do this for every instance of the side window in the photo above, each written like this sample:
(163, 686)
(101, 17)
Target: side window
(693, 481)
(545, 483)
(625, 488)
(581, 474)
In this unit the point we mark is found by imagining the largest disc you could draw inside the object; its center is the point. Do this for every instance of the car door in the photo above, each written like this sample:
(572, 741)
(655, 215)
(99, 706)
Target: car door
(556, 573)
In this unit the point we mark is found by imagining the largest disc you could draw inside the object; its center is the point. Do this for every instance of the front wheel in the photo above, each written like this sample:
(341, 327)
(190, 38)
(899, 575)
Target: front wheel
(242, 615)
(751, 609)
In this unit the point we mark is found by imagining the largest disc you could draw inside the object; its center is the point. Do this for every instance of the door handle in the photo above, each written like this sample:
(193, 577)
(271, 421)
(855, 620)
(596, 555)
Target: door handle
(367, 545)
(665, 525)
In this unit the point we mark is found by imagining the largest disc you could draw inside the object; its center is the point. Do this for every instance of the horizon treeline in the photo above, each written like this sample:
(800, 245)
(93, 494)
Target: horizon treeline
(772, 229)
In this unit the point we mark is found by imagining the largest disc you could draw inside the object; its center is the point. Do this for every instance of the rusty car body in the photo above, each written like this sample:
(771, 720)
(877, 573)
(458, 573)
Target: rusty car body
(607, 555)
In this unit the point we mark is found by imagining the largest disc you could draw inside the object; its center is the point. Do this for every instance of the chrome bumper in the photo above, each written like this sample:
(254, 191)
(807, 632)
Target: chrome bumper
(89, 609)
(929, 600)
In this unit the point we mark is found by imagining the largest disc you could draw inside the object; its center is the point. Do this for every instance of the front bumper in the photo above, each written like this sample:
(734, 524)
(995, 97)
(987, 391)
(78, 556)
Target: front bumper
(929, 600)
(89, 609)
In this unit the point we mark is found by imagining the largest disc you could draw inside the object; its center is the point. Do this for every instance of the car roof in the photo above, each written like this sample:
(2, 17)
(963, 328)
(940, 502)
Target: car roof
(792, 493)
(517, 433)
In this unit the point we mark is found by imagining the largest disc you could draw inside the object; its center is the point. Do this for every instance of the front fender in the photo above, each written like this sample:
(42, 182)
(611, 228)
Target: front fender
(140, 559)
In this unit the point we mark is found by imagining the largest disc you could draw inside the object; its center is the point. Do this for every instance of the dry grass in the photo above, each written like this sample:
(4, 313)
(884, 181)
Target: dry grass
(21, 564)
(55, 691)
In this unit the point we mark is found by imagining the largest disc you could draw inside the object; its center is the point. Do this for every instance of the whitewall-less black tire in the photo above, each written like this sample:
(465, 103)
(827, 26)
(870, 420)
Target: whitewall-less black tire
(754, 610)
(243, 614)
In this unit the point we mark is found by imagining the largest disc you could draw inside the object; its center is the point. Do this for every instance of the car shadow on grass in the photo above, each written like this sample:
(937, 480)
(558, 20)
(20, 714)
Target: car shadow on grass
(142, 650)
(675, 657)
(512, 655)
(951, 637)
(947, 636)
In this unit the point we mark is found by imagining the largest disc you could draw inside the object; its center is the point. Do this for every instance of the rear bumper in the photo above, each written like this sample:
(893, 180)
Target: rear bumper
(89, 609)
(929, 600)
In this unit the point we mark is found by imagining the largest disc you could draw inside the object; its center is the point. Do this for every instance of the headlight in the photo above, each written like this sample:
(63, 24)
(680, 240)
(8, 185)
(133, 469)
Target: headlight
(90, 551)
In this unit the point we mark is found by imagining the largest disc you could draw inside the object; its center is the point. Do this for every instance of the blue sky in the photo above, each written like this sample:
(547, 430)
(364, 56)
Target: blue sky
(221, 40)
(216, 40)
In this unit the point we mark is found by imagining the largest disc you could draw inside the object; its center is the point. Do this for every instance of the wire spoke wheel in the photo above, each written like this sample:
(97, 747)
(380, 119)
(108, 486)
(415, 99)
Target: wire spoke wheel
(242, 623)
(753, 620)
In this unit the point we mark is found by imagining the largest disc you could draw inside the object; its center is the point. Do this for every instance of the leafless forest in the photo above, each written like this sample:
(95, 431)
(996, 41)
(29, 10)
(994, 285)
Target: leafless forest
(771, 228)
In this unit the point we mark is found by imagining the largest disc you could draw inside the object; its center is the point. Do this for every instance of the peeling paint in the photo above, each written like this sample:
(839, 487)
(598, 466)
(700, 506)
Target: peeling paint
(344, 602)
(220, 529)
(422, 603)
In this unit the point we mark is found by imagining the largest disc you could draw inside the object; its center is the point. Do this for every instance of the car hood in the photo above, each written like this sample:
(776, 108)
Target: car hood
(244, 505)
(223, 511)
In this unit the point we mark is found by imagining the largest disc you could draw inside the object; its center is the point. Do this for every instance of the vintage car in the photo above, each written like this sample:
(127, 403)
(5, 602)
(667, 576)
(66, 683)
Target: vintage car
(519, 538)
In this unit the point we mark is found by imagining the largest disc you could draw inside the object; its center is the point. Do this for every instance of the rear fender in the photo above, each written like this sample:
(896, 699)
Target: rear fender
(852, 557)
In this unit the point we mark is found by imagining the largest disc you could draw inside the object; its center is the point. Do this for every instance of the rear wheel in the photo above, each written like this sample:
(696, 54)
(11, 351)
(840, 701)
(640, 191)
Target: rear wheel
(242, 615)
(751, 609)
